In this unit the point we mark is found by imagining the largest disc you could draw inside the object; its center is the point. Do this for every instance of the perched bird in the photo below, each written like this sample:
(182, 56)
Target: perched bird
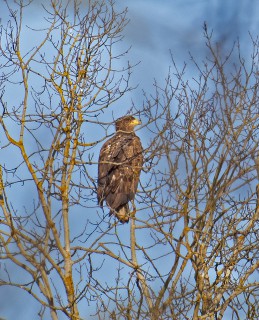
(119, 167)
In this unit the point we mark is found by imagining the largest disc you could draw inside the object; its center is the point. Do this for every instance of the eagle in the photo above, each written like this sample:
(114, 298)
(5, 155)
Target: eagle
(119, 167)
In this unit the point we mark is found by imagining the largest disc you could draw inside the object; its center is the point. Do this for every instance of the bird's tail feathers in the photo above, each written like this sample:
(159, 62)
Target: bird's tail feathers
(122, 214)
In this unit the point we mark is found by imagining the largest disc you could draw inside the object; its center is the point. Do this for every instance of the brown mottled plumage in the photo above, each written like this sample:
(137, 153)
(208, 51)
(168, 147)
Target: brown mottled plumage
(120, 163)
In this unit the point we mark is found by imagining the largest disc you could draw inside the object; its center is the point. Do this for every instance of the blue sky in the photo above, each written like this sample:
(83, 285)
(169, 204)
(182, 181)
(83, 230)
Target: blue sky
(159, 26)
(155, 28)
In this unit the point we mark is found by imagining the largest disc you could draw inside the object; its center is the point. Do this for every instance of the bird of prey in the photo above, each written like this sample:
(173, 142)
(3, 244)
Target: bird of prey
(119, 167)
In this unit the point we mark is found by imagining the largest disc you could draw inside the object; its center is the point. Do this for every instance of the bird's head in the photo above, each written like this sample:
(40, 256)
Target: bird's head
(126, 123)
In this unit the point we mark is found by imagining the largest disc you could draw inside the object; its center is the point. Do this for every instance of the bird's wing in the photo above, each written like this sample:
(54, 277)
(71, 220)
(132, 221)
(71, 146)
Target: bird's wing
(120, 164)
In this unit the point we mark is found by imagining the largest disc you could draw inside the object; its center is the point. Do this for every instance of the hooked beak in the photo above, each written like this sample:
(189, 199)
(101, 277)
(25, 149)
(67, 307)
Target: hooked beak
(136, 122)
